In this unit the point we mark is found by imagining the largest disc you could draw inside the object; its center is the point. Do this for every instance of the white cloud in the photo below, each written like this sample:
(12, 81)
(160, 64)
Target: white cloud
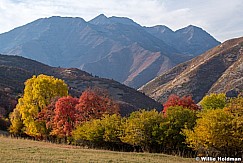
(221, 18)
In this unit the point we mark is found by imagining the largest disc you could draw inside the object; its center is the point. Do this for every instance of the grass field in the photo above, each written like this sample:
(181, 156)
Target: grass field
(20, 150)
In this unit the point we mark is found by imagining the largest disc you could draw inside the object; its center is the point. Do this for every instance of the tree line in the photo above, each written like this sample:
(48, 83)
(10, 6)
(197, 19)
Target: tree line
(46, 111)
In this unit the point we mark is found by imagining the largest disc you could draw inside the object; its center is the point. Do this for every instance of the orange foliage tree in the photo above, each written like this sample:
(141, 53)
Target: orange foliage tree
(46, 116)
(185, 102)
(93, 104)
(64, 119)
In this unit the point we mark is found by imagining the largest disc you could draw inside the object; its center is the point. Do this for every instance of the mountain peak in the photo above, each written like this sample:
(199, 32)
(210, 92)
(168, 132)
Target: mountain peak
(192, 37)
(192, 26)
(101, 16)
(123, 20)
(103, 20)
(100, 20)
(161, 29)
(63, 18)
(189, 28)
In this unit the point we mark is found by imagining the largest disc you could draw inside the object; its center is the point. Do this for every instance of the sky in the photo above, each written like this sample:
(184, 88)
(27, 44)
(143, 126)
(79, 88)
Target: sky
(223, 19)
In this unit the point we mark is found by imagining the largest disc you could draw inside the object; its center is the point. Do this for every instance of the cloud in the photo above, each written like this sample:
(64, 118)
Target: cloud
(16, 13)
(221, 18)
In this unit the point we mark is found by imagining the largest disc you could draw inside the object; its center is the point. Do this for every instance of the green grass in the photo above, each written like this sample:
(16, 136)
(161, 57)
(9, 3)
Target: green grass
(20, 150)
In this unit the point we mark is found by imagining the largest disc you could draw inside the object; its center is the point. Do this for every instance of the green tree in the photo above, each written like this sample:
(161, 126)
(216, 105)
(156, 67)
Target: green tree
(213, 101)
(176, 119)
(90, 130)
(141, 129)
(107, 129)
(38, 93)
(112, 128)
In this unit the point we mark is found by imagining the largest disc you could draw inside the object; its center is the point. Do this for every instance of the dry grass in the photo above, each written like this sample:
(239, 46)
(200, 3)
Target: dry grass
(20, 150)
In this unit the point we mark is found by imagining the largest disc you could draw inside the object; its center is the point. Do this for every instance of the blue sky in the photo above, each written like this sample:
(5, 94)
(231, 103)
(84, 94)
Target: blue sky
(223, 19)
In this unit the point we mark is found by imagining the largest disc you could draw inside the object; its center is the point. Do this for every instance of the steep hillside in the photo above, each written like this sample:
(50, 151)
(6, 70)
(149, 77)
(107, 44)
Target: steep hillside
(218, 70)
(116, 47)
(15, 70)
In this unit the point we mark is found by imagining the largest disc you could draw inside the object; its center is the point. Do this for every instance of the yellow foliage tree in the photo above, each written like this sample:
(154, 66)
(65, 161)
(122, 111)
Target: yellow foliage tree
(213, 101)
(16, 122)
(219, 130)
(38, 92)
(140, 129)
(107, 129)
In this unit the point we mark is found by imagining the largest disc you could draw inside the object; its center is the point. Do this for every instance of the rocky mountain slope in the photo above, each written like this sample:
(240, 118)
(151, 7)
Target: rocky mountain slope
(116, 48)
(15, 70)
(190, 40)
(218, 70)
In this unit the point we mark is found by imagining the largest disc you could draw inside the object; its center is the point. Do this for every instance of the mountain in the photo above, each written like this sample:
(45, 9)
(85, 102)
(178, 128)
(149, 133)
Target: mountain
(116, 47)
(103, 20)
(163, 33)
(15, 70)
(190, 40)
(218, 70)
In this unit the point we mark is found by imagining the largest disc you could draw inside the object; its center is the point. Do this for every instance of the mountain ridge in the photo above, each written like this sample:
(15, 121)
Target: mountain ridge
(15, 70)
(116, 41)
(219, 70)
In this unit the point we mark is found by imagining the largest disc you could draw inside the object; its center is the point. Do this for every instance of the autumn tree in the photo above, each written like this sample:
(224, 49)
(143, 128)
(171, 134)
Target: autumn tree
(46, 116)
(177, 118)
(89, 131)
(185, 102)
(97, 131)
(235, 106)
(64, 119)
(16, 122)
(141, 129)
(38, 92)
(113, 128)
(213, 101)
(212, 131)
(93, 104)
(219, 130)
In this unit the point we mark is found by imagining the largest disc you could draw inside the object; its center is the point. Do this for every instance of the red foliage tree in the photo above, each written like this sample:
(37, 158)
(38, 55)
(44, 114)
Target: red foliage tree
(93, 104)
(65, 116)
(46, 115)
(185, 102)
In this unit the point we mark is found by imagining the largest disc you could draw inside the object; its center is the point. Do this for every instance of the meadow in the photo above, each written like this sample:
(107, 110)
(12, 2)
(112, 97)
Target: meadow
(23, 150)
